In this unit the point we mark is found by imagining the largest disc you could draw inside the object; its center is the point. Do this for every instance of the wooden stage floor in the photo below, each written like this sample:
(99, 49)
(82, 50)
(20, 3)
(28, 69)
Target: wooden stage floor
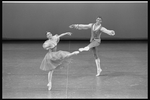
(124, 75)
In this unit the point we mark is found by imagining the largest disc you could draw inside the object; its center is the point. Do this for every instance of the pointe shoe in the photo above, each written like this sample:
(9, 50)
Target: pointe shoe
(75, 52)
(84, 49)
(81, 49)
(98, 72)
(49, 86)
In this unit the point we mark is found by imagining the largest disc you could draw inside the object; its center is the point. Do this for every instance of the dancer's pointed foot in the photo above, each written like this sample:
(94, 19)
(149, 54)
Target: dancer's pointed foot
(98, 72)
(49, 86)
(75, 52)
(84, 49)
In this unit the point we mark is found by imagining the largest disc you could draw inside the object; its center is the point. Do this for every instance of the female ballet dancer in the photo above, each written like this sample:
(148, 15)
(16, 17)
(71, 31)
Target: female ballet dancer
(54, 59)
(96, 31)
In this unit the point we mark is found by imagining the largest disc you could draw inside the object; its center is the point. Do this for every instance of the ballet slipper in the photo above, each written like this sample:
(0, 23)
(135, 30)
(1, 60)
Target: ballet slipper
(49, 86)
(84, 49)
(80, 49)
(98, 72)
(75, 52)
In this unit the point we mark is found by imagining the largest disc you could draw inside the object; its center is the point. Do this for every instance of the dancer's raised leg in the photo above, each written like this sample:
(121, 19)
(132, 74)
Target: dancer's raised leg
(84, 49)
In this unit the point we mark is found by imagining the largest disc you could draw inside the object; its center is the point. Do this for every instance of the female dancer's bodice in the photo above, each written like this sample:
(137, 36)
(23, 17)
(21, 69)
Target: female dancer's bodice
(52, 43)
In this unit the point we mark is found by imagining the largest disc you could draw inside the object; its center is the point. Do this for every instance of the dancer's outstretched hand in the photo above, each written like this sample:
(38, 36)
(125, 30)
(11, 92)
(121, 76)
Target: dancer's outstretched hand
(71, 26)
(69, 33)
(113, 33)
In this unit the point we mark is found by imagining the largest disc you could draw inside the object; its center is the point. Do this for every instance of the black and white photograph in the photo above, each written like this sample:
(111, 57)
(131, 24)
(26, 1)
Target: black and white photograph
(75, 49)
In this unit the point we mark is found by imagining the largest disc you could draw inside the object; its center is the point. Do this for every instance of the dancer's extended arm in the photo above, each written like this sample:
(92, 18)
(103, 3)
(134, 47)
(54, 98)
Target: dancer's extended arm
(81, 26)
(109, 32)
(67, 33)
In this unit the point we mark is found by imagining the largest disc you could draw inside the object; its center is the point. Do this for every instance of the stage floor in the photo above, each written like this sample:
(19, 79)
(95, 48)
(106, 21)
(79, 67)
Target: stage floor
(124, 75)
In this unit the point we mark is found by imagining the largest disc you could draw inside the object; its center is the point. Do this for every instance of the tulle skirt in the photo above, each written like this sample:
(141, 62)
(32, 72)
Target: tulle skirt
(53, 60)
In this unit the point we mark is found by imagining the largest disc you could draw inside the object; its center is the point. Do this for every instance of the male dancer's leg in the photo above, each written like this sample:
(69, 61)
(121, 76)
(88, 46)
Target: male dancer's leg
(97, 61)
(93, 45)
(88, 47)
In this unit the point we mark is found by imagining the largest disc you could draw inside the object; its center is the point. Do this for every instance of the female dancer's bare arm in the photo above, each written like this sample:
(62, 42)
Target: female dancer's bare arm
(67, 33)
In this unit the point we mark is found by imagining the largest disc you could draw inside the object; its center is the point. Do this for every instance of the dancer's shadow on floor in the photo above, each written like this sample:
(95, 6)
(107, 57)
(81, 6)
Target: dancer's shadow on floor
(118, 73)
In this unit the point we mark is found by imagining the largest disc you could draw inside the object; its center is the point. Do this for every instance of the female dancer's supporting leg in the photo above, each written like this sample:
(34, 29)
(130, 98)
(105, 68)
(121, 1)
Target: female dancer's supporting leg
(50, 74)
(50, 79)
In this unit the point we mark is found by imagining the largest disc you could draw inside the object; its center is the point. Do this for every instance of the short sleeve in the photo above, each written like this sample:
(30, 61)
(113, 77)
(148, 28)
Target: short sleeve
(49, 44)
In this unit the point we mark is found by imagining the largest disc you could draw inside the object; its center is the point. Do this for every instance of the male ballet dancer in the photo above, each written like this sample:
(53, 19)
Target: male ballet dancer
(96, 31)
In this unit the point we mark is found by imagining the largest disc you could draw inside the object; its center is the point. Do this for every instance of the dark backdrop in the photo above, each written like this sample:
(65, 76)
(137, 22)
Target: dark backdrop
(32, 20)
